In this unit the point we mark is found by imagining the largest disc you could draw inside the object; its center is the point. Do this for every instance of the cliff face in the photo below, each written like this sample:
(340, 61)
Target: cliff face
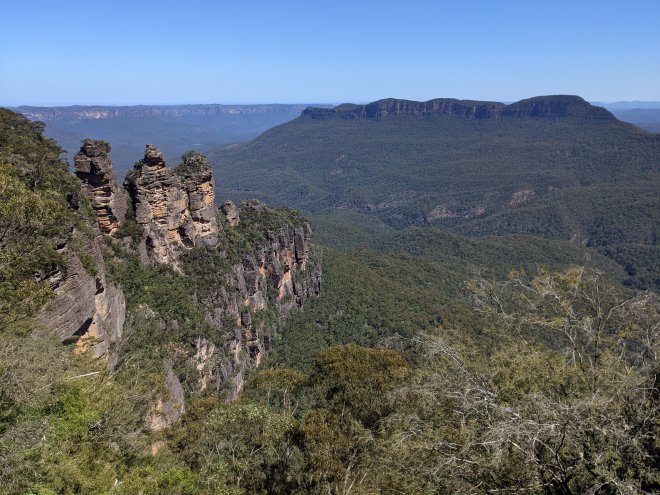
(94, 169)
(197, 180)
(559, 106)
(264, 270)
(257, 294)
(175, 210)
(556, 107)
(391, 106)
(87, 308)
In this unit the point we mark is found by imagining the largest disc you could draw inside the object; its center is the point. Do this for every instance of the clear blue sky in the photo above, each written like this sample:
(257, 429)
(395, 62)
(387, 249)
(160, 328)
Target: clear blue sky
(245, 51)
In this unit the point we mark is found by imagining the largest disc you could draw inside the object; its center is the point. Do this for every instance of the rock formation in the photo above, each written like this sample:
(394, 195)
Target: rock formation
(231, 213)
(171, 405)
(197, 176)
(175, 207)
(392, 106)
(276, 278)
(94, 169)
(273, 275)
(87, 307)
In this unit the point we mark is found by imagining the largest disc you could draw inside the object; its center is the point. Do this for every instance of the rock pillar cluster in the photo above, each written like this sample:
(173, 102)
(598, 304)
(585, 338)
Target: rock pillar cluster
(175, 207)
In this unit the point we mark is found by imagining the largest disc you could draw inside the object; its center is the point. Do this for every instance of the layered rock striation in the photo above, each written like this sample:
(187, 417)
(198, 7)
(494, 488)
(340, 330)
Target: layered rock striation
(265, 268)
(87, 308)
(279, 276)
(175, 207)
(276, 276)
(94, 169)
(197, 180)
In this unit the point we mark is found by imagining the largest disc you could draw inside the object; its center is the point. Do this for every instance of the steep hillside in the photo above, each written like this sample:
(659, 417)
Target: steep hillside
(552, 166)
(153, 343)
(148, 294)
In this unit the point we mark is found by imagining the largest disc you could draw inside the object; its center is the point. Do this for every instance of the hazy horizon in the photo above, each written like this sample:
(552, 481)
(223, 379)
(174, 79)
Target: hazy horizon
(126, 53)
(627, 103)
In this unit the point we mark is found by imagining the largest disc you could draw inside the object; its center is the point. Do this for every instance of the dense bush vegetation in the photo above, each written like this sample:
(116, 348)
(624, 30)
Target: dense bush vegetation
(38, 206)
(591, 181)
(576, 417)
(430, 364)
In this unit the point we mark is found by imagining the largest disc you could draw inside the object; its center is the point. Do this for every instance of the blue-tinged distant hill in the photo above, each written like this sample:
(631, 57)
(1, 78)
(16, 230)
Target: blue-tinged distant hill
(646, 118)
(177, 128)
(645, 114)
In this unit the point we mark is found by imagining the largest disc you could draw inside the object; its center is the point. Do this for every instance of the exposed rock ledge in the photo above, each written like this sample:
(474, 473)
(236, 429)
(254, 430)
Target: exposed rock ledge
(552, 107)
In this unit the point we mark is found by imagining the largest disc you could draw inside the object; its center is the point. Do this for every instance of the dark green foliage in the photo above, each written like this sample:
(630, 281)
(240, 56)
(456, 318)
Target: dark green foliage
(492, 255)
(543, 383)
(584, 177)
(400, 283)
(38, 202)
(170, 295)
(355, 380)
(192, 164)
(23, 145)
(257, 220)
(371, 298)
(405, 159)
(130, 228)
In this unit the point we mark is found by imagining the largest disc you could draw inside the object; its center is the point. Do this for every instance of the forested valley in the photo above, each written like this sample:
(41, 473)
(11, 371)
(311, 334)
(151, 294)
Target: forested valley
(157, 338)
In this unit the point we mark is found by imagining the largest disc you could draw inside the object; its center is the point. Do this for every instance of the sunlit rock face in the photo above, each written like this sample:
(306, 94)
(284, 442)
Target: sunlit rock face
(175, 209)
(174, 206)
(94, 169)
(197, 177)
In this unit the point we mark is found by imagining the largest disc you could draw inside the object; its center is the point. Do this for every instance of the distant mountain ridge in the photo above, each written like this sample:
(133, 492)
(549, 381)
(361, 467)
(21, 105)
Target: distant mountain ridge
(93, 112)
(550, 166)
(179, 127)
(628, 105)
(555, 106)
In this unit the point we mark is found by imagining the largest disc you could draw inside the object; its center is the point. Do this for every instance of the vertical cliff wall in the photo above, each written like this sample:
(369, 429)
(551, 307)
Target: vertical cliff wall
(277, 276)
(262, 270)
(87, 308)
(94, 169)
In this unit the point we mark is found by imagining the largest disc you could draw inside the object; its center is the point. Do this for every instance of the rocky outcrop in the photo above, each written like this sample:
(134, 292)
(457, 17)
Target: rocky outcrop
(392, 106)
(87, 309)
(231, 213)
(94, 169)
(559, 106)
(197, 177)
(258, 293)
(175, 208)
